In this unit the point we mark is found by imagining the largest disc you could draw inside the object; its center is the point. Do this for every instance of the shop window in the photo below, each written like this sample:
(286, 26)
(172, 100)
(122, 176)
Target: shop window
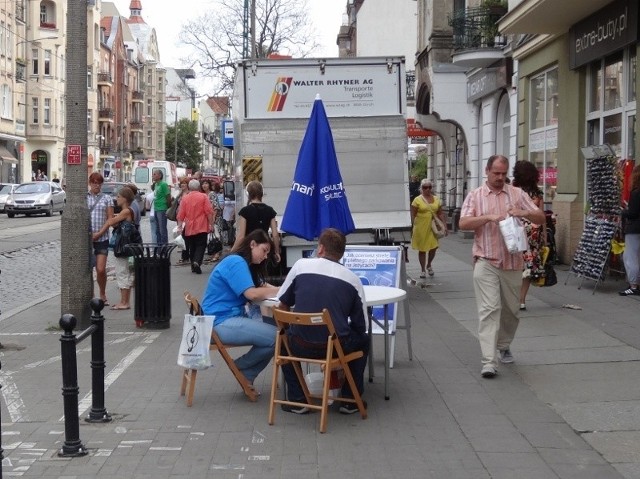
(543, 134)
(503, 126)
(611, 94)
(613, 82)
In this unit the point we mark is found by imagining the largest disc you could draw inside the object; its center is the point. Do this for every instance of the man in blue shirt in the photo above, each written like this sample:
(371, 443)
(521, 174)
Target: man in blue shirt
(312, 285)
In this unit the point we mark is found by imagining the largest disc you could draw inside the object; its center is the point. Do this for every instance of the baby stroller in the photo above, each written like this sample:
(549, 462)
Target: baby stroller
(551, 236)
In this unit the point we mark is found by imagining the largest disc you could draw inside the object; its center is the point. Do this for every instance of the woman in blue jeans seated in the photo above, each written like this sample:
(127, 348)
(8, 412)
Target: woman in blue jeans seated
(235, 281)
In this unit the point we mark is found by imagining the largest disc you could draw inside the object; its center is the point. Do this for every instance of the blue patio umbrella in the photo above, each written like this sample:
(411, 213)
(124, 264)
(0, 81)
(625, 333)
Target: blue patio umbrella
(317, 199)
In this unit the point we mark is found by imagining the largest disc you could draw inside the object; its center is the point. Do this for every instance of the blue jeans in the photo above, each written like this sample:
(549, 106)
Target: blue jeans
(244, 330)
(631, 257)
(162, 236)
(353, 342)
(153, 226)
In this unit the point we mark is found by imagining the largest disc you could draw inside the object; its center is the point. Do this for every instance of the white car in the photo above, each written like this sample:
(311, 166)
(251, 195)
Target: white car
(33, 198)
(5, 191)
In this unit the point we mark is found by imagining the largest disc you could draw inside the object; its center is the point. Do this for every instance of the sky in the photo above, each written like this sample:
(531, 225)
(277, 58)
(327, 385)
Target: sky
(326, 16)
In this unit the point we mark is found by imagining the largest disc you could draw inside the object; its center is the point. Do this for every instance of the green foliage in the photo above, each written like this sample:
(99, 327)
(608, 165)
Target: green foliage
(188, 144)
(420, 167)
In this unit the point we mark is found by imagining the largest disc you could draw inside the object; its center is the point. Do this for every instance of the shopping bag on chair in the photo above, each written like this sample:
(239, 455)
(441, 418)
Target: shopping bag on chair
(194, 344)
(515, 238)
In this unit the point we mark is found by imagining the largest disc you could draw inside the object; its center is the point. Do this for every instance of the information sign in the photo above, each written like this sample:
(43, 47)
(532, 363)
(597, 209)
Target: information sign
(74, 154)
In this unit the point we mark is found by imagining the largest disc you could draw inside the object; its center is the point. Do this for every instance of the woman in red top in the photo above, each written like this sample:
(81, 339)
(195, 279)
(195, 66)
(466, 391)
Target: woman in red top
(195, 217)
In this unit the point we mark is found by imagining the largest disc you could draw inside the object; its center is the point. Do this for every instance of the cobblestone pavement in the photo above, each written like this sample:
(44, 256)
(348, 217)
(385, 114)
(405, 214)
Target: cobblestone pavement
(32, 274)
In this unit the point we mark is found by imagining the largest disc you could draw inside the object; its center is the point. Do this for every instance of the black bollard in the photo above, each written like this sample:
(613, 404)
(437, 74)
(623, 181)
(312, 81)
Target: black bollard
(98, 412)
(72, 446)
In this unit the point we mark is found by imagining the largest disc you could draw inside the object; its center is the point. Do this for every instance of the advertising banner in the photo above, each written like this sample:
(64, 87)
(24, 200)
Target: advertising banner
(346, 90)
(378, 266)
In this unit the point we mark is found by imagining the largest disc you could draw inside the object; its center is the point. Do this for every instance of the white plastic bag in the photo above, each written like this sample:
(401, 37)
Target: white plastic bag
(514, 235)
(178, 239)
(194, 344)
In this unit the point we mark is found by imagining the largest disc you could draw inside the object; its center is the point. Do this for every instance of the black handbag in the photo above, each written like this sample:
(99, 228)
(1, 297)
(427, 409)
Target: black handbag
(214, 245)
(126, 234)
(550, 277)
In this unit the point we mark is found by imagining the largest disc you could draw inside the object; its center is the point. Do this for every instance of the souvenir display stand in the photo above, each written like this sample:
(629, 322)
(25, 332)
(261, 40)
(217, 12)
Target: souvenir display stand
(603, 219)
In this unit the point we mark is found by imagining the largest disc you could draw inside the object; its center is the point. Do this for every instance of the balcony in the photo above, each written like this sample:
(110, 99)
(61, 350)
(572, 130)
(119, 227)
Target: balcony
(137, 96)
(106, 149)
(106, 114)
(104, 79)
(477, 43)
(20, 10)
(136, 126)
(21, 70)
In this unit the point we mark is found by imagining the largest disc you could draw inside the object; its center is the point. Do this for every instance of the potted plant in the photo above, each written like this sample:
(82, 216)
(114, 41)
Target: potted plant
(494, 10)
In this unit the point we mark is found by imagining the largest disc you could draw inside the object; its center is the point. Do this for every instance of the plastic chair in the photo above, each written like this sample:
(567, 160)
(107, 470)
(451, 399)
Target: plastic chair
(189, 376)
(334, 359)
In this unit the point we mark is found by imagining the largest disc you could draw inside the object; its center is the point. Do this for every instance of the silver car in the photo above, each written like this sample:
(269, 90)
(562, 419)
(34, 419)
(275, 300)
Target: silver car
(5, 191)
(38, 197)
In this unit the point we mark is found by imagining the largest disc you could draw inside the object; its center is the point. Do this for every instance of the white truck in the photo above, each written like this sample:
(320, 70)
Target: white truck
(365, 100)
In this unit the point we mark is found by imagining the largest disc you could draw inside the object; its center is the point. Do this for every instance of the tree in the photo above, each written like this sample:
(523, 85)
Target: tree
(188, 147)
(282, 26)
(421, 166)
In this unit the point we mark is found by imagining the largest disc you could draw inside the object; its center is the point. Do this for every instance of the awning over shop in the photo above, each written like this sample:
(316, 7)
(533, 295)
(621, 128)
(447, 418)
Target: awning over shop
(415, 130)
(6, 156)
(547, 16)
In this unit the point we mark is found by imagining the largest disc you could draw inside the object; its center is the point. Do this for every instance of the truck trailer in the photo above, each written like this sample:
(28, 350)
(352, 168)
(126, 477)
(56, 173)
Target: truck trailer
(365, 101)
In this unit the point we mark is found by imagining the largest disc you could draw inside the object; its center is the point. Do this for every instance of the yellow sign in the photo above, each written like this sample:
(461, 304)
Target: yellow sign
(251, 169)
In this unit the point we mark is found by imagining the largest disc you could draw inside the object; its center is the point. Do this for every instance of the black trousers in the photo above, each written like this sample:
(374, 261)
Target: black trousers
(196, 245)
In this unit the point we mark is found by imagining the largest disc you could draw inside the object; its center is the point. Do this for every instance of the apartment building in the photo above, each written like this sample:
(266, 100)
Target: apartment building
(125, 89)
(12, 74)
(463, 91)
(216, 159)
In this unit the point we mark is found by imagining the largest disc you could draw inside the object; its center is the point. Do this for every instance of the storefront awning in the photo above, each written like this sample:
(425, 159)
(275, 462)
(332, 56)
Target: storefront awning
(415, 130)
(547, 16)
(6, 156)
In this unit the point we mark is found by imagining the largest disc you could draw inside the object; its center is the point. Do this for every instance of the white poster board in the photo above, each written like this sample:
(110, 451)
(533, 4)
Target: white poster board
(378, 266)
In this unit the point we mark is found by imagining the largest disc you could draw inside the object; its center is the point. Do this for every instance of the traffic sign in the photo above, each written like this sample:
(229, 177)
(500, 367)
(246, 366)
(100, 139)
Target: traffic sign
(74, 155)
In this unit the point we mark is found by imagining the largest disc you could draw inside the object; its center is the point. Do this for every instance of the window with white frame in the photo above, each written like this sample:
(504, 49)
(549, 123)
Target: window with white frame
(611, 102)
(9, 41)
(47, 62)
(47, 111)
(89, 77)
(43, 13)
(34, 61)
(35, 112)
(89, 121)
(149, 143)
(2, 38)
(543, 129)
(7, 102)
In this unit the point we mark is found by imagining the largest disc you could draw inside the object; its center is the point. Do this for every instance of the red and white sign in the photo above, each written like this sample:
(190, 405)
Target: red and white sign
(74, 155)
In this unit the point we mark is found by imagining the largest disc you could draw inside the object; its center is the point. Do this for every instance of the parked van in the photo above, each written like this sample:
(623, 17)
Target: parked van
(142, 174)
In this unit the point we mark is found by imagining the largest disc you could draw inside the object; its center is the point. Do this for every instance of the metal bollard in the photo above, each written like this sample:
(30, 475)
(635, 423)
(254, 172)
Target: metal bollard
(72, 446)
(98, 413)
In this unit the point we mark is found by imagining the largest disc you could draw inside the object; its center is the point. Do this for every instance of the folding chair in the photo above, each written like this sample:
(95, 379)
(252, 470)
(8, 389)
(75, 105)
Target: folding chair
(334, 359)
(189, 375)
